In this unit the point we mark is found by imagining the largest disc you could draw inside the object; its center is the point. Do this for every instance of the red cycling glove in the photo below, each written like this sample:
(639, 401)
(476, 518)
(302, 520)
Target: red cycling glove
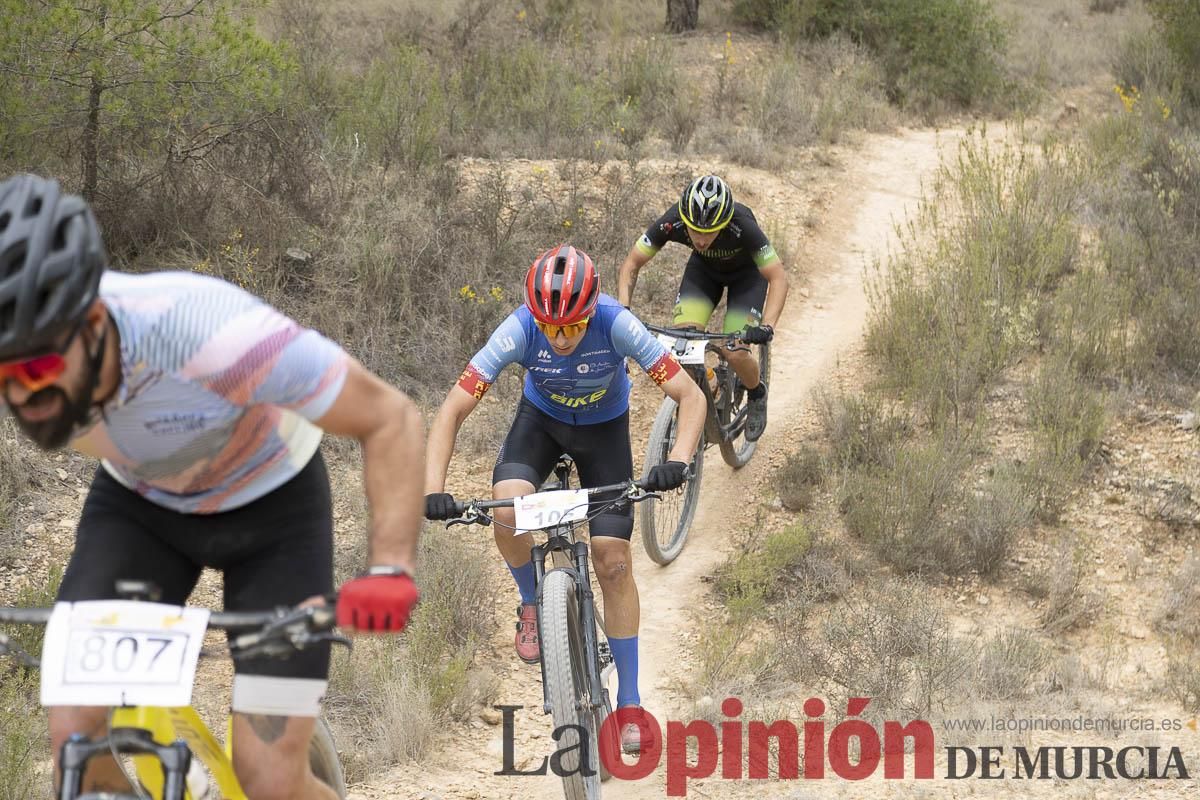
(377, 603)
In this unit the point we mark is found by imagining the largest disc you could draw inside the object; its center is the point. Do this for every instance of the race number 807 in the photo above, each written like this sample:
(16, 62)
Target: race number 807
(117, 656)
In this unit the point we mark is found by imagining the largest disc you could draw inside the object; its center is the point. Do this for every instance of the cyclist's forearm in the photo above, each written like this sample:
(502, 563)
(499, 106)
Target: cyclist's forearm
(393, 458)
(692, 410)
(628, 274)
(777, 291)
(443, 434)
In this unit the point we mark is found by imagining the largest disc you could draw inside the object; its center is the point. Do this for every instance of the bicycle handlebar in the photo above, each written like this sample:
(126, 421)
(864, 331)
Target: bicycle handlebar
(692, 333)
(277, 633)
(471, 512)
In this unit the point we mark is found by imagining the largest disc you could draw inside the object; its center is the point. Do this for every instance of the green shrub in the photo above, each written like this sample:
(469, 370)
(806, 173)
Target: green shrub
(24, 744)
(1179, 25)
(1010, 662)
(957, 303)
(747, 580)
(992, 518)
(934, 53)
(891, 643)
(905, 512)
(863, 430)
(797, 480)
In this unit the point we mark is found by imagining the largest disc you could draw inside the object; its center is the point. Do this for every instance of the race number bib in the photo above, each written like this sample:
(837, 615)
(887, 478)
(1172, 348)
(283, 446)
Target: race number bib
(546, 509)
(121, 653)
(692, 354)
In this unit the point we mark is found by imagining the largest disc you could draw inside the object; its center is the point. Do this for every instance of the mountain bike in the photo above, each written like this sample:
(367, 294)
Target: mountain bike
(665, 528)
(126, 655)
(576, 661)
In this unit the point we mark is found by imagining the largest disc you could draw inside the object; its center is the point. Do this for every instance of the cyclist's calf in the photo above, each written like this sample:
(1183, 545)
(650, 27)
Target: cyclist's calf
(613, 566)
(270, 757)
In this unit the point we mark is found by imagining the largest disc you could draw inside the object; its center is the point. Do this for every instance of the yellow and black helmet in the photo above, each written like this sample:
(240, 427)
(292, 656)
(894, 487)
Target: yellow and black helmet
(706, 204)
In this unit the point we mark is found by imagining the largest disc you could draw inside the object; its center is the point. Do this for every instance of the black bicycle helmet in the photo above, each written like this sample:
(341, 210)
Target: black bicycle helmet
(706, 204)
(51, 259)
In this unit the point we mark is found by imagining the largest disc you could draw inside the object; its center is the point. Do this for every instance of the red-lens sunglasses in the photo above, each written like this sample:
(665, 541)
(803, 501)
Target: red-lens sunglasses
(38, 372)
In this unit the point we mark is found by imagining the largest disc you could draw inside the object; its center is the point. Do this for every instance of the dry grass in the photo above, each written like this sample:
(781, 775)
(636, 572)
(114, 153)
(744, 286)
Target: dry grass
(408, 687)
(798, 480)
(1058, 44)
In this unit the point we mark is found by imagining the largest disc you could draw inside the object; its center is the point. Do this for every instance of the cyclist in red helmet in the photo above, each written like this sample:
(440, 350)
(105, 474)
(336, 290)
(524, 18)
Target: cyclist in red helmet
(572, 341)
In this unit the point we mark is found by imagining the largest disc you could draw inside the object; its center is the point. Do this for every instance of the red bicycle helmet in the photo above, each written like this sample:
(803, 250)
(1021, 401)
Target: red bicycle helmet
(562, 286)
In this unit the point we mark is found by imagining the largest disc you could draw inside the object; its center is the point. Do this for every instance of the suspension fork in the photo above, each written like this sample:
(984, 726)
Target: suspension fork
(587, 618)
(78, 750)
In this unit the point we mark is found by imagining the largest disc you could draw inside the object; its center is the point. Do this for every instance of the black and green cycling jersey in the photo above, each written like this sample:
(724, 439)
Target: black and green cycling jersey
(739, 246)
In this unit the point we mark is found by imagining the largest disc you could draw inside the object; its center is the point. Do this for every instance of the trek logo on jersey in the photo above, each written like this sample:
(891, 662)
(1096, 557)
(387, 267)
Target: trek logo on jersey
(547, 370)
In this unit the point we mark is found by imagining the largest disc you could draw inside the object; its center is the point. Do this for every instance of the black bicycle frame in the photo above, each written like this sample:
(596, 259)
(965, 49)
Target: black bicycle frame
(560, 540)
(714, 429)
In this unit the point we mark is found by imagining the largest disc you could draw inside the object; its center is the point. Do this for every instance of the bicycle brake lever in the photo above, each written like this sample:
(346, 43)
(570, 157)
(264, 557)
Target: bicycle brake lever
(480, 519)
(7, 647)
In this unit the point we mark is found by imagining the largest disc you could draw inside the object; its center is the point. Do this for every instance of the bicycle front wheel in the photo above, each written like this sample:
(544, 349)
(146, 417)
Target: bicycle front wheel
(323, 759)
(737, 451)
(567, 686)
(668, 519)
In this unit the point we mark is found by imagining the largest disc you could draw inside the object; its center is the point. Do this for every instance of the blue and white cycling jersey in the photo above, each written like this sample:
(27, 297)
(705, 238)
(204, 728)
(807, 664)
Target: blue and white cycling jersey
(586, 387)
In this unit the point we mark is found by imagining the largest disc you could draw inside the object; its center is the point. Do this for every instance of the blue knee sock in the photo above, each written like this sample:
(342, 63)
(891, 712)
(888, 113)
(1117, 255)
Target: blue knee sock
(625, 656)
(526, 581)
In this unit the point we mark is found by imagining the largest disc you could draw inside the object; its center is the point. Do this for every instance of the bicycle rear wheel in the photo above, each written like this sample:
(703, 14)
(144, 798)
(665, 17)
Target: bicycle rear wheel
(564, 657)
(737, 451)
(323, 759)
(668, 519)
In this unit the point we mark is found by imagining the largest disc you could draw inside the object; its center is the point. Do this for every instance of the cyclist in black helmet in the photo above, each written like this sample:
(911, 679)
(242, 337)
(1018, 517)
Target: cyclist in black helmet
(206, 408)
(729, 251)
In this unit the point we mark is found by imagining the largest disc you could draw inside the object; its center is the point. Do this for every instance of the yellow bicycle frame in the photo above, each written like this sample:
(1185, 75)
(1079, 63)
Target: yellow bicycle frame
(169, 724)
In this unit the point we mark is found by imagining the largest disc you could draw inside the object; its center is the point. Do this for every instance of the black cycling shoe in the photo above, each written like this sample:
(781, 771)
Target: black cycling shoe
(756, 416)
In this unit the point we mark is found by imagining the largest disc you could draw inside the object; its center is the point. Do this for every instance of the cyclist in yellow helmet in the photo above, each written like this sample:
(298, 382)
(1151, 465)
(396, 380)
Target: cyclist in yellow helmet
(729, 252)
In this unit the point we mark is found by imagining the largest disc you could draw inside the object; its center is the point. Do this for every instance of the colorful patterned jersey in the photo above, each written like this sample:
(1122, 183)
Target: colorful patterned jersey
(588, 386)
(217, 394)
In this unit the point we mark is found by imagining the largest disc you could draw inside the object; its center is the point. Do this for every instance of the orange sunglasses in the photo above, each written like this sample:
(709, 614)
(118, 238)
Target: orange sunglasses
(38, 372)
(569, 331)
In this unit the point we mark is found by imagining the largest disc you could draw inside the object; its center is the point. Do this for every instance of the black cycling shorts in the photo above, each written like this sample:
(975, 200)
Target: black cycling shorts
(601, 451)
(274, 551)
(700, 291)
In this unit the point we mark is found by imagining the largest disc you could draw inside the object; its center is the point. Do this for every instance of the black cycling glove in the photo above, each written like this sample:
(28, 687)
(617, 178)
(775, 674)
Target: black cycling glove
(670, 475)
(440, 505)
(760, 334)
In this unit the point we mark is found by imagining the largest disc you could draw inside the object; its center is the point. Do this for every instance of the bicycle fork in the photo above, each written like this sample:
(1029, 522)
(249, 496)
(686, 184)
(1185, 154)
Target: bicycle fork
(586, 599)
(78, 750)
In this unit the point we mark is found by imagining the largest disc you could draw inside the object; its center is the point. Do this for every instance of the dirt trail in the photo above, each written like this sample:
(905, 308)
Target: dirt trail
(881, 184)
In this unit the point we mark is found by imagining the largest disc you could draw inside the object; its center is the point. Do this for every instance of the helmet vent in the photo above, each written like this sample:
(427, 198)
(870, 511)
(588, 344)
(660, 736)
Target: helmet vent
(5, 218)
(13, 260)
(59, 242)
(33, 207)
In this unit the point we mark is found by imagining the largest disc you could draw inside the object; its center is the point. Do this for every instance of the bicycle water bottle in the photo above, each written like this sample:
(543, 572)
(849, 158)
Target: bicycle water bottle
(712, 378)
(197, 781)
